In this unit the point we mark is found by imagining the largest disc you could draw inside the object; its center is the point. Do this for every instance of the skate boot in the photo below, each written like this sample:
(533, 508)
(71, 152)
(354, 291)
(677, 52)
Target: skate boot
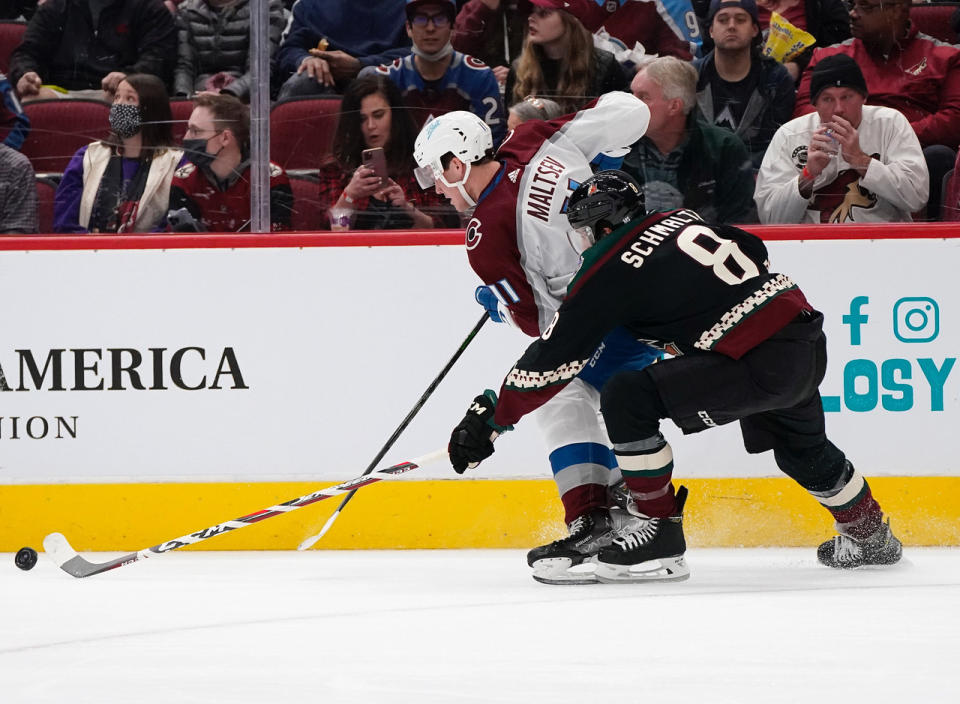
(843, 552)
(652, 552)
(571, 560)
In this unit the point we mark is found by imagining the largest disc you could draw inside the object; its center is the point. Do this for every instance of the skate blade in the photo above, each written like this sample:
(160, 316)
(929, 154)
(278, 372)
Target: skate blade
(665, 569)
(560, 570)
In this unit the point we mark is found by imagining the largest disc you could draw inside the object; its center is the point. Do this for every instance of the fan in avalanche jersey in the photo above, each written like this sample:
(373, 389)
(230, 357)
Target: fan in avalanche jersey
(748, 346)
(434, 79)
(517, 244)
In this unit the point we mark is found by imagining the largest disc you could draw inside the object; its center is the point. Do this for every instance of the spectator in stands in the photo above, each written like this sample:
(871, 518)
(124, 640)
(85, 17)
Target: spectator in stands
(213, 46)
(434, 79)
(122, 184)
(18, 193)
(748, 94)
(631, 21)
(14, 123)
(211, 192)
(329, 41)
(846, 162)
(17, 9)
(682, 162)
(492, 31)
(910, 72)
(559, 59)
(80, 48)
(532, 108)
(826, 20)
(351, 195)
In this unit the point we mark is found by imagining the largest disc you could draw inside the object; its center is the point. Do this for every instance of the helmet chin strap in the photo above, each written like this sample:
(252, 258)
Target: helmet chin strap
(459, 185)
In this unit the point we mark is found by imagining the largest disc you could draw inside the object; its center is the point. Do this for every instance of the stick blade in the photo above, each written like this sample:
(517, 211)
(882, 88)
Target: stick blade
(58, 549)
(312, 540)
(63, 555)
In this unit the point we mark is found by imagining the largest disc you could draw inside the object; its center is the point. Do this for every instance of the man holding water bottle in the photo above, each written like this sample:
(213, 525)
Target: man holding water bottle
(846, 162)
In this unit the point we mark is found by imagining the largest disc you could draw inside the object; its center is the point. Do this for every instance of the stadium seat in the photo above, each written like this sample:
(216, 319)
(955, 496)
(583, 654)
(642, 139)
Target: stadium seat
(933, 19)
(306, 203)
(181, 109)
(301, 131)
(58, 128)
(11, 34)
(46, 189)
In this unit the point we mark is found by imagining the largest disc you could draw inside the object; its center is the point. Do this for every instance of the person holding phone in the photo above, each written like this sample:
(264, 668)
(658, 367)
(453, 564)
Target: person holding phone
(367, 183)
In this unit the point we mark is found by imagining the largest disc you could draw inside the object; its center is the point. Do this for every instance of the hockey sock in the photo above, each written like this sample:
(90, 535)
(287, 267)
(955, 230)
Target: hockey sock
(647, 467)
(582, 472)
(851, 502)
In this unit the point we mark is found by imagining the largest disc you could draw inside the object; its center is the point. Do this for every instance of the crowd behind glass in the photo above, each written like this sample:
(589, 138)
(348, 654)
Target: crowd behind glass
(769, 111)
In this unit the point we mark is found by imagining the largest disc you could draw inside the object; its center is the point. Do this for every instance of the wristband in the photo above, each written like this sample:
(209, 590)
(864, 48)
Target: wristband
(351, 201)
(806, 174)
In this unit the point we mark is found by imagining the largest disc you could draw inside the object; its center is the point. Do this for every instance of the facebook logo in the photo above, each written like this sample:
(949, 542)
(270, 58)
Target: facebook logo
(856, 318)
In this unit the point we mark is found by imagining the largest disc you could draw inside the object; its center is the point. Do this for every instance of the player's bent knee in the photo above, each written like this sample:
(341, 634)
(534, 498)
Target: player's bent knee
(631, 406)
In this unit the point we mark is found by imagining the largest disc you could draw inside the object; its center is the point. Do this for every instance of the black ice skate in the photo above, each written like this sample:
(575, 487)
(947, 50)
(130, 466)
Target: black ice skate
(571, 560)
(843, 552)
(652, 552)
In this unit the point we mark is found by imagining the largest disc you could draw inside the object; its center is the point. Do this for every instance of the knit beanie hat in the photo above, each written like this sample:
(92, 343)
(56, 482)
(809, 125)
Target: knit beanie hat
(837, 71)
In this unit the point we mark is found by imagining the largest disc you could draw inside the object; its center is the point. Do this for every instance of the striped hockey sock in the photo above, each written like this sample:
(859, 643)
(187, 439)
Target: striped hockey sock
(647, 467)
(582, 472)
(856, 512)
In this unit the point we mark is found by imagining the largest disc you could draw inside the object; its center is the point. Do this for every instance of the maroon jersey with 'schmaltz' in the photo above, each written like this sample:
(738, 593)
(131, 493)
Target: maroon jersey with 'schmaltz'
(517, 237)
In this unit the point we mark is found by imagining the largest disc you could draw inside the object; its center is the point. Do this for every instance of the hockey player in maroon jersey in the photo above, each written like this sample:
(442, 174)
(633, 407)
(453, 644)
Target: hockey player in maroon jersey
(747, 346)
(517, 244)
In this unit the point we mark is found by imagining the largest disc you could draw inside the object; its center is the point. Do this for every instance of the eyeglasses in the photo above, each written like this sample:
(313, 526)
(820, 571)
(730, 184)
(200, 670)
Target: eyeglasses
(439, 21)
(196, 131)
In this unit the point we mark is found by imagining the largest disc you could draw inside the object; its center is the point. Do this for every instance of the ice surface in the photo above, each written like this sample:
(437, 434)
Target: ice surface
(424, 627)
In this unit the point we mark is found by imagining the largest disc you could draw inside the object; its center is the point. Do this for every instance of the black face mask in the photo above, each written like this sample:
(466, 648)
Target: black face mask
(196, 151)
(125, 119)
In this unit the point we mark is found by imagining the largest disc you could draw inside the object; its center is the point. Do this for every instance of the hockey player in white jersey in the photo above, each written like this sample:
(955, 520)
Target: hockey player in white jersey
(517, 244)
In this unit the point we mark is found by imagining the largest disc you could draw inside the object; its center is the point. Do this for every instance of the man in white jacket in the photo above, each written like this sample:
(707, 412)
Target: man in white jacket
(847, 162)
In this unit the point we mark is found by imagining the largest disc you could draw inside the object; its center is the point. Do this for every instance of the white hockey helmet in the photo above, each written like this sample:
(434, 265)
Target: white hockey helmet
(460, 133)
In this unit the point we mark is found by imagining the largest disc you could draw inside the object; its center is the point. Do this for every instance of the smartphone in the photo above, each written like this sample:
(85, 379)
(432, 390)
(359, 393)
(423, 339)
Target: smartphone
(376, 160)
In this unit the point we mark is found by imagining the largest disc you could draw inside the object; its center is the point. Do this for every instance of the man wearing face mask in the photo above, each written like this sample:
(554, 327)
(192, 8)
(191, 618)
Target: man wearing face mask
(211, 192)
(434, 79)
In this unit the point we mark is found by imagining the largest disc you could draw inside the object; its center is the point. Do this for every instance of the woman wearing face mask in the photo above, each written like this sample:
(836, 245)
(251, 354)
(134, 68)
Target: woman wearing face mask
(122, 184)
(352, 196)
(559, 60)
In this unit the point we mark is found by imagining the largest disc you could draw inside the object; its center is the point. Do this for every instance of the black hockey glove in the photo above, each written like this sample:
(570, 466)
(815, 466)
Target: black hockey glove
(472, 440)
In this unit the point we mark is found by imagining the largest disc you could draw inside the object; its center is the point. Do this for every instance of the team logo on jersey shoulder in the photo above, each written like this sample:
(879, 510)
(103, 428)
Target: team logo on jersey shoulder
(185, 170)
(474, 63)
(799, 156)
(473, 233)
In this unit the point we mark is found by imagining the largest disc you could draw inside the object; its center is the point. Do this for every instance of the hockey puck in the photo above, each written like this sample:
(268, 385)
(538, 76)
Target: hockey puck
(26, 558)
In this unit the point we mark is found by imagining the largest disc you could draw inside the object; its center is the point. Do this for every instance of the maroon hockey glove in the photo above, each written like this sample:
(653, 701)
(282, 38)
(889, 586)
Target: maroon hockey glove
(472, 440)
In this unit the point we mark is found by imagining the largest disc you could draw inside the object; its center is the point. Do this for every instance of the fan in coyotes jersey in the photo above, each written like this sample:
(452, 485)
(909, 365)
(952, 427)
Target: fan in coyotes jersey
(747, 344)
(517, 244)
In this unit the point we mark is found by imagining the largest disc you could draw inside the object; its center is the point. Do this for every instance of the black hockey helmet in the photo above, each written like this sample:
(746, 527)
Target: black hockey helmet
(607, 199)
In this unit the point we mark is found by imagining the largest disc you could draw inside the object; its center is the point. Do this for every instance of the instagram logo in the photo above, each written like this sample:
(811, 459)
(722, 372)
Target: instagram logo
(916, 319)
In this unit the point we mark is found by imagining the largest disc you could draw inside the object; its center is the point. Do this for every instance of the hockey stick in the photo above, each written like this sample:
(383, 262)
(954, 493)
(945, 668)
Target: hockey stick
(67, 559)
(310, 541)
